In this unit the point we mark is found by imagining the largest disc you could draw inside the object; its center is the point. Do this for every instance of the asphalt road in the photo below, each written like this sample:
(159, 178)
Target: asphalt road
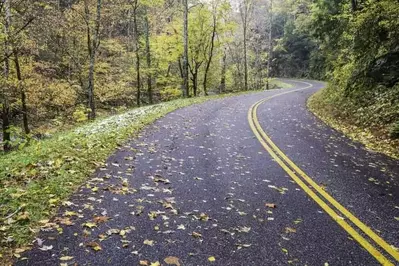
(198, 188)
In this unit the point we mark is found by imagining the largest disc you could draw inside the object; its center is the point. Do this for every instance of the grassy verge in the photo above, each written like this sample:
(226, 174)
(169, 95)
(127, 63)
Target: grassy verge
(351, 121)
(280, 84)
(36, 180)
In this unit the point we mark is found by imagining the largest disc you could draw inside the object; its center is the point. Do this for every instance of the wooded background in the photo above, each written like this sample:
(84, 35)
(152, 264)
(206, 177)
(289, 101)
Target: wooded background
(66, 60)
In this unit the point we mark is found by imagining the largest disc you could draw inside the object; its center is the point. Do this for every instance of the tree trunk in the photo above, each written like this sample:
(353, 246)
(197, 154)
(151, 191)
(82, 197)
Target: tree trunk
(185, 86)
(244, 9)
(222, 86)
(136, 51)
(245, 59)
(195, 82)
(208, 63)
(269, 56)
(93, 46)
(148, 55)
(354, 5)
(6, 105)
(23, 95)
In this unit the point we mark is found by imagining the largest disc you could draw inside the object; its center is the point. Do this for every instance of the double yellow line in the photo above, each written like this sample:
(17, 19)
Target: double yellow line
(337, 212)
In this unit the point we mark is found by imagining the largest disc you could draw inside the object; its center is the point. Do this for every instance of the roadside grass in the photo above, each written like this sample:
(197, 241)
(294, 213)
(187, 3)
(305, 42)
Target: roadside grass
(344, 118)
(280, 84)
(37, 179)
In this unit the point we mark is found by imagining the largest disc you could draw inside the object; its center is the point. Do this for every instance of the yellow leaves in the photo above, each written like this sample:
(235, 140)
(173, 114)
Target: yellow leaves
(271, 205)
(148, 242)
(52, 202)
(23, 216)
(172, 260)
(290, 230)
(196, 235)
(212, 259)
(100, 219)
(90, 225)
(65, 258)
(94, 245)
(65, 221)
(284, 250)
(70, 213)
(297, 221)
(204, 217)
(147, 263)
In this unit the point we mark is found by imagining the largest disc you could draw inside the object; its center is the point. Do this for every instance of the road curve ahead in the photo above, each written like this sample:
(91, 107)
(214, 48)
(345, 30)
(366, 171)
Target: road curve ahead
(247, 180)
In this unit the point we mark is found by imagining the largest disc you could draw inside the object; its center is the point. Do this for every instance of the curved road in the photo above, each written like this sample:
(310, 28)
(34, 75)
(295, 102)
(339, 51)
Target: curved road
(228, 182)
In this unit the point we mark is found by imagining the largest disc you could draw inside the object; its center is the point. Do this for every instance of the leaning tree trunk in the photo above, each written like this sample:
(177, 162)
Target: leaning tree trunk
(93, 46)
(136, 52)
(148, 55)
(245, 59)
(185, 86)
(269, 56)
(222, 86)
(208, 63)
(23, 94)
(6, 105)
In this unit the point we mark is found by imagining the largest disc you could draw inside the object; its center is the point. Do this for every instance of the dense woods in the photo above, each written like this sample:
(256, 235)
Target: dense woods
(65, 61)
(354, 46)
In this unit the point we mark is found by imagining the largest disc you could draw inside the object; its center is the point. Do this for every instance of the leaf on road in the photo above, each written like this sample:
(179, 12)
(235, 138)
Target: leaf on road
(113, 231)
(89, 224)
(172, 260)
(95, 246)
(211, 259)
(64, 258)
(148, 242)
(270, 205)
(100, 219)
(290, 230)
(46, 248)
(196, 235)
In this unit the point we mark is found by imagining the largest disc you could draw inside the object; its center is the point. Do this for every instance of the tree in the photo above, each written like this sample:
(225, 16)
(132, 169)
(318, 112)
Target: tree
(245, 13)
(93, 42)
(185, 86)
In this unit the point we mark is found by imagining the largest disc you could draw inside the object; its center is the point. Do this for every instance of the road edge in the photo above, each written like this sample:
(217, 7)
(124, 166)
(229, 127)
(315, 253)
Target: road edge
(355, 133)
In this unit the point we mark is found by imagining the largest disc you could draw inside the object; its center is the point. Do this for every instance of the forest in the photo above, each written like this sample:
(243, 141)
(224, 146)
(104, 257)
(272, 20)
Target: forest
(65, 61)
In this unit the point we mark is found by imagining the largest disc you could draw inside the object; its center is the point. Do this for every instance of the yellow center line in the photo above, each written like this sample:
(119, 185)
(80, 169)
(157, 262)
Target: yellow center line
(285, 162)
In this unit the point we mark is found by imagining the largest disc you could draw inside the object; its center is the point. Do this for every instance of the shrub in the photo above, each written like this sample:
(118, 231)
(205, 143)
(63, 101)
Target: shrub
(170, 93)
(395, 131)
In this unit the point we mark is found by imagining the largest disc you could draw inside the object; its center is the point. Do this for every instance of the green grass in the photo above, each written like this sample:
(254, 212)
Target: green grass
(280, 84)
(35, 181)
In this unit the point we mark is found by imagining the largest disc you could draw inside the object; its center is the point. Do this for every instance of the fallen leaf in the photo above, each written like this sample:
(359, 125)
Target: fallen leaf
(148, 242)
(64, 258)
(196, 235)
(113, 231)
(172, 260)
(101, 219)
(290, 230)
(45, 248)
(270, 205)
(89, 224)
(95, 246)
(144, 262)
(211, 259)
